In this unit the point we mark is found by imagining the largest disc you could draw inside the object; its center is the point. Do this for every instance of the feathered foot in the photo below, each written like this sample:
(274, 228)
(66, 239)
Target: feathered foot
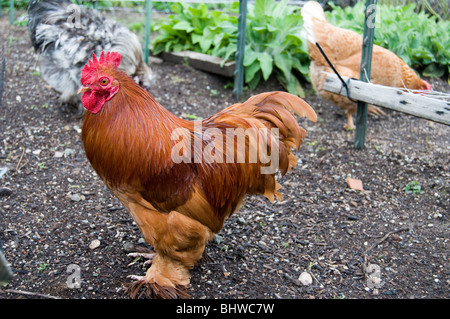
(165, 279)
(152, 290)
(148, 256)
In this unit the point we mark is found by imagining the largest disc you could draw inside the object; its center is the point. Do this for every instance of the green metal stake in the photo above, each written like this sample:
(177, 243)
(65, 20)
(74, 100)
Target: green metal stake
(11, 12)
(239, 70)
(147, 24)
(364, 74)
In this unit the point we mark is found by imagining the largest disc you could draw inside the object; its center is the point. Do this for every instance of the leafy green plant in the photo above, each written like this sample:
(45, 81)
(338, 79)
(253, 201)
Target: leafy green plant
(273, 41)
(198, 29)
(413, 188)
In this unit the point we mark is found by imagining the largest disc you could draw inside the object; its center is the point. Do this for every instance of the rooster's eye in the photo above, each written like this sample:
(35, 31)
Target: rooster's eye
(104, 81)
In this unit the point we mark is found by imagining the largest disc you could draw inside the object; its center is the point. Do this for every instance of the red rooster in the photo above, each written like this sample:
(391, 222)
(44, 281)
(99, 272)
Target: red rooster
(179, 179)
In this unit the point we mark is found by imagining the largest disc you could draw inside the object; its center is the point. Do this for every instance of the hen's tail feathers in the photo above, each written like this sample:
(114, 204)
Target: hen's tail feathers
(38, 12)
(310, 10)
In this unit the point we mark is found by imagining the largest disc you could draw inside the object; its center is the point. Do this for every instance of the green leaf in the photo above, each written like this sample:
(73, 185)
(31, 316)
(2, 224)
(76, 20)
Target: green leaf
(284, 63)
(433, 70)
(266, 63)
(251, 70)
(249, 56)
(183, 25)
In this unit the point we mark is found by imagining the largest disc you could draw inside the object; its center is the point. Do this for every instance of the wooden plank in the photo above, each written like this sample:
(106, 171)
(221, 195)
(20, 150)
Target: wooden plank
(392, 98)
(201, 61)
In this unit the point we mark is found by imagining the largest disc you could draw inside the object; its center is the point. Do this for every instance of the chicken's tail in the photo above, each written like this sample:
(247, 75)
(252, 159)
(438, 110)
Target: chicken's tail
(311, 10)
(39, 12)
(271, 116)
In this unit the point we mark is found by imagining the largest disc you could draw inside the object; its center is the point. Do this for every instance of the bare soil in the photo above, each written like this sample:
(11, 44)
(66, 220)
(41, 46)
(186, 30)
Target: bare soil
(56, 205)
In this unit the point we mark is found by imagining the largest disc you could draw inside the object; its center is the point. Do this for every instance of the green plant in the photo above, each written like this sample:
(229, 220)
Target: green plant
(273, 41)
(413, 188)
(42, 267)
(198, 29)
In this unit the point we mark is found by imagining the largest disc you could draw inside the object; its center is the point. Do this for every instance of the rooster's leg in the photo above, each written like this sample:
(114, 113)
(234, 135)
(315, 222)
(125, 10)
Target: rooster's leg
(179, 242)
(349, 126)
(148, 256)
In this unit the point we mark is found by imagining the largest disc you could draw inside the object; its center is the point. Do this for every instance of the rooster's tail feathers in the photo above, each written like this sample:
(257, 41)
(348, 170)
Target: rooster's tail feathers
(310, 10)
(274, 110)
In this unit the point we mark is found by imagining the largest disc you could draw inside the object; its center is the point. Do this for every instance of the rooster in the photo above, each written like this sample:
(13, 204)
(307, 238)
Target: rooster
(344, 49)
(65, 35)
(180, 179)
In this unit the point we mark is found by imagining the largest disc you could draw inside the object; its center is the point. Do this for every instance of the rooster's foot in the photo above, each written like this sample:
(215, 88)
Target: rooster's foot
(142, 288)
(148, 256)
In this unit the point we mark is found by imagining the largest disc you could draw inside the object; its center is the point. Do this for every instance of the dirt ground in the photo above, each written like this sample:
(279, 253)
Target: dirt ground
(55, 207)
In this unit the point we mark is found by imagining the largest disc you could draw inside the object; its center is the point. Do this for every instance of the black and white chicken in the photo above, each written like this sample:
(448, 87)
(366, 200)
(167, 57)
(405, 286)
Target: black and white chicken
(65, 35)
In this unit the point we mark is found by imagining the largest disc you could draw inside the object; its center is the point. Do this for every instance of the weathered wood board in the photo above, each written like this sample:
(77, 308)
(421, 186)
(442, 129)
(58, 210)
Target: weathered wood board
(392, 98)
(202, 62)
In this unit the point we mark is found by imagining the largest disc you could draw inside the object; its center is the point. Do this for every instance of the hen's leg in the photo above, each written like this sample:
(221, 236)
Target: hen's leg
(349, 126)
(179, 242)
(375, 110)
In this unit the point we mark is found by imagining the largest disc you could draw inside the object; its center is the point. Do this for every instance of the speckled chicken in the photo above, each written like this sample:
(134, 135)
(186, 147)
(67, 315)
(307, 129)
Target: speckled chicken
(65, 35)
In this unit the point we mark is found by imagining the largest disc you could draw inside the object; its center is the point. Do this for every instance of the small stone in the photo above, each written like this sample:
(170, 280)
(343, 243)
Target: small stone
(5, 191)
(37, 152)
(128, 246)
(69, 151)
(305, 278)
(355, 184)
(242, 220)
(94, 244)
(58, 154)
(75, 197)
(218, 239)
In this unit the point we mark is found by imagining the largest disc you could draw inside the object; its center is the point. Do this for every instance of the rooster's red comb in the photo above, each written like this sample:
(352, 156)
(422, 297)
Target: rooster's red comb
(91, 68)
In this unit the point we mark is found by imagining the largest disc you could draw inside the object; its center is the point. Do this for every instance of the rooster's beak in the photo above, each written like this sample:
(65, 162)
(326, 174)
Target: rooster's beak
(83, 89)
